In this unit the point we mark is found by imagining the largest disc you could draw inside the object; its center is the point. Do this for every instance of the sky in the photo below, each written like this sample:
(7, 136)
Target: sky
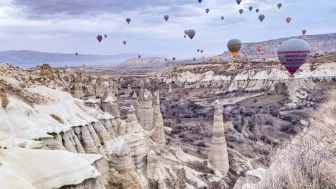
(68, 26)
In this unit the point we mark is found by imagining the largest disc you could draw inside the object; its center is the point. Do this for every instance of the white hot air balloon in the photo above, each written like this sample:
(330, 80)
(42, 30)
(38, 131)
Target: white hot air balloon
(293, 53)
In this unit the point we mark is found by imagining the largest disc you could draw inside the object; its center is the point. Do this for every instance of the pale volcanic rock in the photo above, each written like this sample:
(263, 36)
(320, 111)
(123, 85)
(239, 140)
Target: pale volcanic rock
(101, 132)
(88, 143)
(218, 155)
(145, 108)
(47, 168)
(135, 104)
(129, 89)
(159, 133)
(170, 90)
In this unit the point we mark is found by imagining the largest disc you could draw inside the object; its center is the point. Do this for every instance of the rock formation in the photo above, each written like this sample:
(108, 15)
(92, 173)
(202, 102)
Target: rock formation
(129, 89)
(218, 155)
(159, 133)
(170, 90)
(145, 108)
(46, 70)
(135, 104)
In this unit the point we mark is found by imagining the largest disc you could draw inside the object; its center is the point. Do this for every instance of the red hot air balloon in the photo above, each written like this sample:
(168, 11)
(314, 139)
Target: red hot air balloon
(293, 53)
(139, 56)
(288, 19)
(99, 38)
(124, 42)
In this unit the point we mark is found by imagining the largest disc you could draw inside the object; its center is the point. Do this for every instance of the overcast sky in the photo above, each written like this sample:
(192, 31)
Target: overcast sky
(69, 26)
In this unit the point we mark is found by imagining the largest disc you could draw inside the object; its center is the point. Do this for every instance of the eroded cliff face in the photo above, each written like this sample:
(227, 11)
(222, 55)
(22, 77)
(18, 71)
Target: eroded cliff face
(53, 129)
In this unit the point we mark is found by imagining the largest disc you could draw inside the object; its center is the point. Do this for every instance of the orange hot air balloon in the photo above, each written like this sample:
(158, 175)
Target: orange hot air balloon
(304, 31)
(288, 19)
(259, 47)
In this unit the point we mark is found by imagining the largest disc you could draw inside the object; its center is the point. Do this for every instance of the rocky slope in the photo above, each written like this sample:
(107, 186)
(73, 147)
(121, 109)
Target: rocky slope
(144, 62)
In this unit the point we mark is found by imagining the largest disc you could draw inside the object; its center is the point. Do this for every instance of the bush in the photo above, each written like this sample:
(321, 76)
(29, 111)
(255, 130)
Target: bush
(201, 144)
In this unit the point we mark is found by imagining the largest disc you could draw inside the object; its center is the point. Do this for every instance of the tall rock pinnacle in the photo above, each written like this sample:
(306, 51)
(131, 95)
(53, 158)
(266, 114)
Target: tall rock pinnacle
(159, 134)
(218, 155)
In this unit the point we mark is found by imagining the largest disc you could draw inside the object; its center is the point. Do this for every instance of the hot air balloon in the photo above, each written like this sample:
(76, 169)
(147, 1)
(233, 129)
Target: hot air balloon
(203, 57)
(238, 1)
(76, 53)
(241, 11)
(124, 42)
(173, 58)
(200, 1)
(244, 52)
(215, 59)
(257, 10)
(166, 17)
(194, 59)
(201, 51)
(198, 50)
(288, 19)
(185, 36)
(234, 46)
(222, 17)
(250, 8)
(262, 52)
(259, 47)
(191, 33)
(279, 5)
(105, 36)
(207, 10)
(166, 59)
(304, 31)
(128, 20)
(99, 38)
(261, 17)
(139, 56)
(293, 53)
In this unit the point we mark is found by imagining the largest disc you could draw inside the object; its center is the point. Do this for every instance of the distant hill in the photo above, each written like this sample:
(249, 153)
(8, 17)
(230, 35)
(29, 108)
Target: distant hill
(320, 43)
(26, 58)
(141, 63)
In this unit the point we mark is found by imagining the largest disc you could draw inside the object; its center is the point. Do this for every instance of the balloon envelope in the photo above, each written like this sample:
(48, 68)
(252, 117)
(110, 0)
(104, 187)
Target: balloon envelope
(257, 10)
(198, 50)
(200, 1)
(259, 47)
(201, 51)
(234, 46)
(76, 54)
(139, 56)
(128, 20)
(261, 17)
(279, 5)
(191, 33)
(105, 35)
(222, 17)
(124, 42)
(185, 36)
(293, 53)
(186, 32)
(304, 32)
(207, 10)
(288, 19)
(173, 58)
(99, 38)
(241, 11)
(194, 58)
(166, 59)
(250, 8)
(238, 1)
(166, 17)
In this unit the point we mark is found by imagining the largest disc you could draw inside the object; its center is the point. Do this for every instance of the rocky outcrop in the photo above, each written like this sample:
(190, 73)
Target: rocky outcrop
(129, 89)
(145, 108)
(218, 155)
(159, 133)
(135, 104)
(46, 70)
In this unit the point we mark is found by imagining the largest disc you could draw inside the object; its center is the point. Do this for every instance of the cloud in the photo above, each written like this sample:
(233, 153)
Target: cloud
(72, 25)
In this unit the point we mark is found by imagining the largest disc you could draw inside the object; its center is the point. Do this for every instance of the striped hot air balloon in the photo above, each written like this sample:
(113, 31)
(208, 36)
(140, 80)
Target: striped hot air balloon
(293, 53)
